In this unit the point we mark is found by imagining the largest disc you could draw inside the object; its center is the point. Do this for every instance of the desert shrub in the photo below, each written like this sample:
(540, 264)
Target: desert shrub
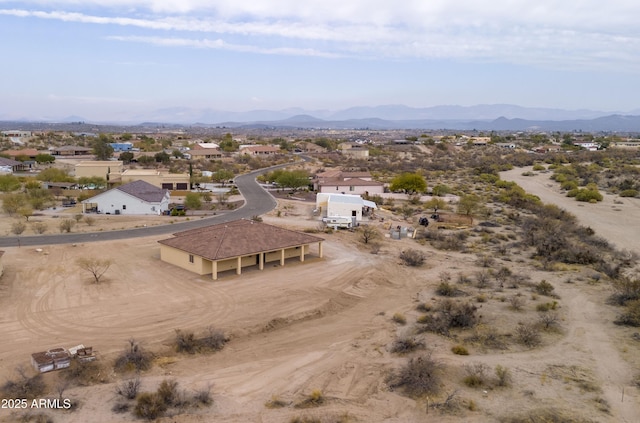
(399, 318)
(406, 344)
(149, 406)
(276, 402)
(476, 374)
(423, 307)
(24, 386)
(516, 302)
(412, 257)
(538, 167)
(629, 193)
(543, 307)
(503, 376)
(212, 340)
(449, 314)
(527, 334)
(133, 358)
(314, 399)
(66, 225)
(89, 220)
(84, 373)
(459, 350)
(446, 290)
(185, 341)
(625, 289)
(482, 279)
(548, 319)
(39, 227)
(544, 288)
(545, 415)
(203, 396)
(420, 376)
(588, 195)
(631, 315)
(168, 392)
(485, 260)
(129, 388)
(120, 407)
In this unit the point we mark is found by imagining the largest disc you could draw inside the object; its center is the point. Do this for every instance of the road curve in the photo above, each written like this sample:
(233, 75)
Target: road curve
(257, 202)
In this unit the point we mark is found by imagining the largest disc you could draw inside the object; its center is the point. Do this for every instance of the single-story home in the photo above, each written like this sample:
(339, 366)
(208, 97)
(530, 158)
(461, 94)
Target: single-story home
(10, 165)
(99, 168)
(160, 179)
(70, 150)
(235, 245)
(343, 205)
(259, 150)
(354, 150)
(338, 182)
(137, 197)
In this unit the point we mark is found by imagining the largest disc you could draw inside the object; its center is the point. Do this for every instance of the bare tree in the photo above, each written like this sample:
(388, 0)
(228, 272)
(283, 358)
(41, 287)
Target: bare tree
(368, 233)
(96, 266)
(18, 227)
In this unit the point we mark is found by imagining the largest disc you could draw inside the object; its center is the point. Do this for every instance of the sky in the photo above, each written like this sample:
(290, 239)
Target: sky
(125, 59)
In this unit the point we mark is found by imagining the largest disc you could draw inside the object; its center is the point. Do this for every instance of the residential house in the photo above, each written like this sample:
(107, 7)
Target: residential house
(339, 182)
(121, 147)
(354, 150)
(259, 150)
(53, 359)
(31, 153)
(158, 178)
(234, 246)
(70, 150)
(137, 198)
(10, 165)
(110, 170)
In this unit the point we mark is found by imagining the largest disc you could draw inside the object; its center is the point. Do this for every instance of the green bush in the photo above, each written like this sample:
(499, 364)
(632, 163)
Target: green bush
(399, 318)
(587, 195)
(629, 193)
(149, 406)
(459, 350)
(544, 288)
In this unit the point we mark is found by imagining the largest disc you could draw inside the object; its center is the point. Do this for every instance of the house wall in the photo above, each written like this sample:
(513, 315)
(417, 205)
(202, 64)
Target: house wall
(110, 201)
(180, 258)
(98, 169)
(346, 189)
(158, 179)
(344, 209)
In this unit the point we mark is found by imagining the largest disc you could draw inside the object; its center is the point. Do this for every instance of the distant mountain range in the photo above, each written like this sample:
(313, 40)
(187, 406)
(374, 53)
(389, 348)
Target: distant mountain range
(485, 117)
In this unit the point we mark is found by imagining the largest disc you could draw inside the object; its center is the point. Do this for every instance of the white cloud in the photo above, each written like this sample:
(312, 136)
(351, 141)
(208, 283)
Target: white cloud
(546, 33)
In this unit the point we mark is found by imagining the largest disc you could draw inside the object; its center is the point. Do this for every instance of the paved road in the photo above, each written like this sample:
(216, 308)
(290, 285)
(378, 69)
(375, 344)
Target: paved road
(257, 202)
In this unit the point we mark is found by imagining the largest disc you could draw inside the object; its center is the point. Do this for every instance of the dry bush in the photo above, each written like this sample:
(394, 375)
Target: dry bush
(84, 373)
(445, 289)
(420, 376)
(485, 260)
(212, 340)
(503, 376)
(129, 388)
(631, 315)
(545, 415)
(149, 406)
(186, 341)
(203, 395)
(516, 302)
(39, 227)
(24, 386)
(314, 399)
(459, 350)
(406, 344)
(482, 279)
(399, 318)
(276, 402)
(447, 315)
(487, 337)
(476, 374)
(625, 289)
(412, 257)
(527, 334)
(133, 358)
(66, 225)
(168, 392)
(548, 319)
(368, 233)
(544, 288)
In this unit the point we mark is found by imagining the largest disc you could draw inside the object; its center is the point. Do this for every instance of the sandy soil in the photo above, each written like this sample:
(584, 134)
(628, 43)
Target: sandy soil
(323, 324)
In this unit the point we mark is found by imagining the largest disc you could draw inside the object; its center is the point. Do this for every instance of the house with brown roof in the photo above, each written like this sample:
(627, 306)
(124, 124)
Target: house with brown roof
(339, 182)
(137, 197)
(70, 150)
(236, 245)
(259, 150)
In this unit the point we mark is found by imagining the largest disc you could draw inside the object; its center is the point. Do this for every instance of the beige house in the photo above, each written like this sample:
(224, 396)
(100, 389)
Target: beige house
(354, 150)
(259, 150)
(339, 182)
(165, 180)
(235, 245)
(99, 168)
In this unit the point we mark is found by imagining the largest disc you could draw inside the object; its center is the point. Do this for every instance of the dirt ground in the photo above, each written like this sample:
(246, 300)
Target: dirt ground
(322, 324)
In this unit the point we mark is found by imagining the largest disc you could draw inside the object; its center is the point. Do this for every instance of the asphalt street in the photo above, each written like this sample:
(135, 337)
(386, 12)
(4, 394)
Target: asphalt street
(257, 202)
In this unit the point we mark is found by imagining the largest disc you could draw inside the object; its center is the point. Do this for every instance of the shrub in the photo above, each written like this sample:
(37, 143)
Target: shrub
(399, 318)
(475, 374)
(66, 225)
(129, 388)
(446, 290)
(548, 319)
(527, 334)
(314, 399)
(547, 306)
(420, 376)
(629, 193)
(412, 257)
(24, 386)
(39, 227)
(544, 288)
(133, 358)
(517, 302)
(459, 350)
(276, 402)
(631, 316)
(149, 406)
(406, 344)
(168, 392)
(203, 396)
(538, 167)
(503, 376)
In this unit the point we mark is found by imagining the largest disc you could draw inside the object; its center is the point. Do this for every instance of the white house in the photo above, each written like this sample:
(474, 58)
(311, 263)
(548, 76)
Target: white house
(343, 205)
(137, 197)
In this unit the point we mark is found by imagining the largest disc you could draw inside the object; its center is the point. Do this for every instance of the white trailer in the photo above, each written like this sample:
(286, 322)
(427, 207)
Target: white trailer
(339, 222)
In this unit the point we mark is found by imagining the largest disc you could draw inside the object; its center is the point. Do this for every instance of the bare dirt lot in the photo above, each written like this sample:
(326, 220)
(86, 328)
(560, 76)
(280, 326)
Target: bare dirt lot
(323, 324)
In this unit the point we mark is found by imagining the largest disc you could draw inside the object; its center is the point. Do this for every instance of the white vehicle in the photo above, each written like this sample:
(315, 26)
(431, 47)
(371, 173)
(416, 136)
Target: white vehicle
(337, 222)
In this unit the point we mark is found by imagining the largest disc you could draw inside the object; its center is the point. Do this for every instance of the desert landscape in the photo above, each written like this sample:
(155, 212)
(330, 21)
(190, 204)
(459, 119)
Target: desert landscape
(326, 325)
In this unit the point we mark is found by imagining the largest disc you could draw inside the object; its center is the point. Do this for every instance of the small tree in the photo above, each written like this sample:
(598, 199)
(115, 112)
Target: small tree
(409, 183)
(96, 266)
(193, 201)
(18, 228)
(368, 233)
(39, 227)
(468, 204)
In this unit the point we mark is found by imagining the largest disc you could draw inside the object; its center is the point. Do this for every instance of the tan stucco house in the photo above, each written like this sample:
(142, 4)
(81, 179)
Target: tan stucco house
(235, 245)
(99, 168)
(160, 179)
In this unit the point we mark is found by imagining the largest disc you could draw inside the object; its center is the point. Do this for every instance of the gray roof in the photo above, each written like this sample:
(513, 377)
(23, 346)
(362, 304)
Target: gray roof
(144, 191)
(8, 162)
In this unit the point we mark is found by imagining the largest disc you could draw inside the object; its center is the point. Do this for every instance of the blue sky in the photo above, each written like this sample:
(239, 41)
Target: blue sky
(127, 59)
